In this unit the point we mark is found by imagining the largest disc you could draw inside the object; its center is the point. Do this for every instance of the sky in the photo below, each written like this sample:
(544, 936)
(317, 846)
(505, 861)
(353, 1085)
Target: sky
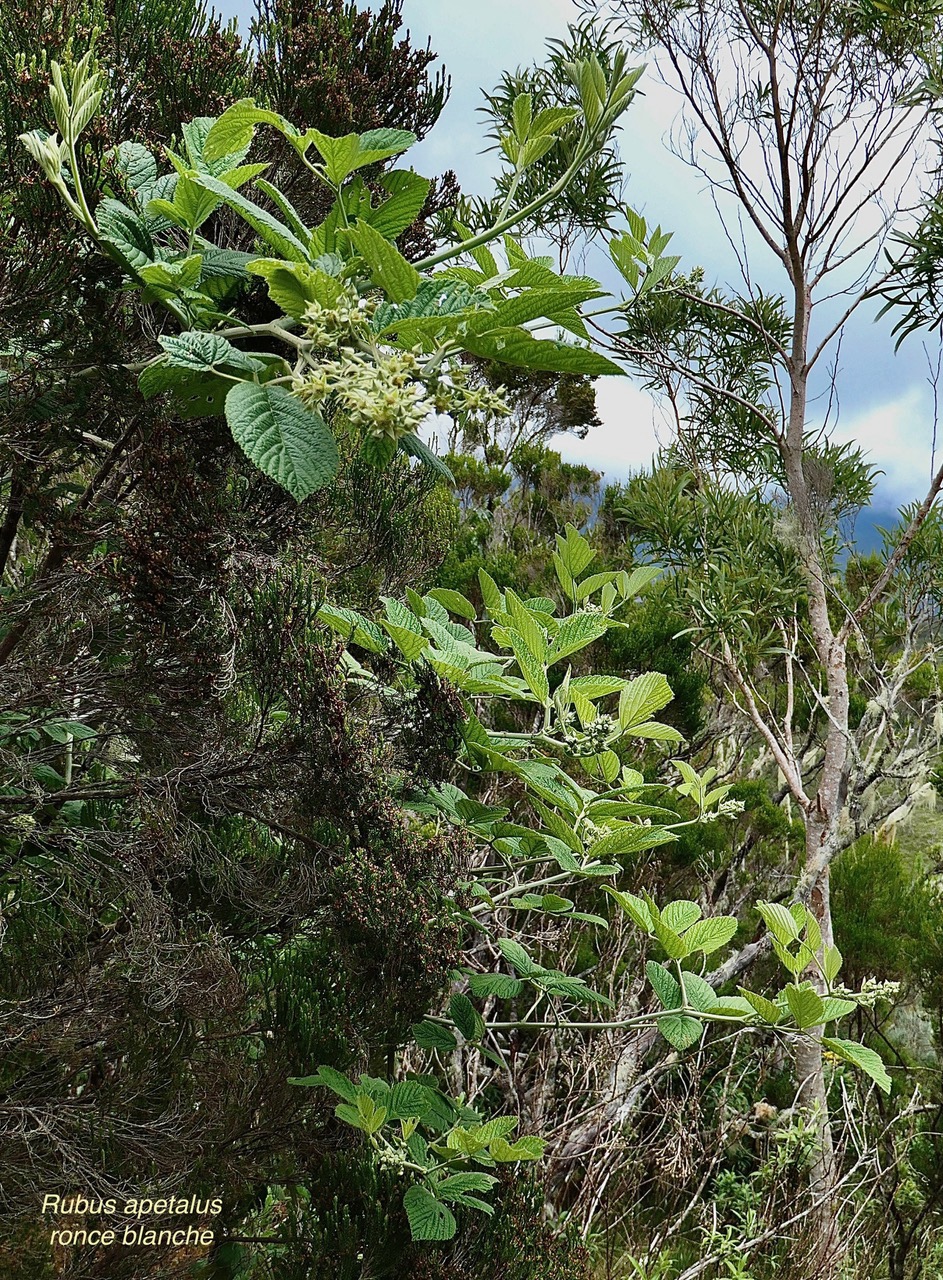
(884, 402)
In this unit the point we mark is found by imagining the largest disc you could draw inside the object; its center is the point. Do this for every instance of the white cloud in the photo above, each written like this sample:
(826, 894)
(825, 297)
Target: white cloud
(897, 436)
(632, 429)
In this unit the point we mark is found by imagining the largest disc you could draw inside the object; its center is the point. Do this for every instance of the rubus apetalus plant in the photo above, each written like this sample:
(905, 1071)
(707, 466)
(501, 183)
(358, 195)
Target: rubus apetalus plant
(368, 344)
(569, 812)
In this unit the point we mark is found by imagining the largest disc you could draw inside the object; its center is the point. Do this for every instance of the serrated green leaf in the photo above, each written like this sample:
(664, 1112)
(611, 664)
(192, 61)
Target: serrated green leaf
(698, 994)
(407, 1100)
(517, 957)
(274, 233)
(495, 984)
(329, 1079)
(293, 286)
(429, 1218)
(805, 1005)
(831, 963)
(525, 1148)
(123, 228)
(863, 1058)
(680, 915)
(290, 444)
(680, 1031)
(517, 347)
(633, 906)
(711, 934)
(665, 985)
(408, 192)
(767, 1010)
(466, 1017)
(396, 276)
(575, 633)
(204, 352)
(430, 1035)
(779, 921)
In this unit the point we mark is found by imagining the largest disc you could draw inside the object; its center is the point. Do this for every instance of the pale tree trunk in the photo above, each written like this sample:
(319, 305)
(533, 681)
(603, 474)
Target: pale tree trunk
(822, 813)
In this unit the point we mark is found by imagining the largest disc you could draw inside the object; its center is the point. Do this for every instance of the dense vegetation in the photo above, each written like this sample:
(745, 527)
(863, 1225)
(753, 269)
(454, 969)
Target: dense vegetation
(458, 867)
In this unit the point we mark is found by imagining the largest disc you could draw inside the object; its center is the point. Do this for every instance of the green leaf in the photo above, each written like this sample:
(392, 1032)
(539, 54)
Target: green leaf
(642, 697)
(343, 156)
(831, 963)
(516, 956)
(681, 1031)
(273, 232)
(698, 994)
(863, 1058)
(196, 395)
(294, 285)
(354, 627)
(430, 1035)
(416, 448)
(517, 347)
(123, 229)
(429, 1218)
(330, 1079)
(204, 352)
(665, 985)
(680, 915)
(408, 194)
(490, 593)
(290, 444)
(466, 1017)
(455, 602)
(575, 633)
(136, 165)
(408, 642)
(532, 669)
(633, 907)
(233, 131)
(397, 277)
(711, 934)
(806, 1006)
(461, 1183)
(407, 1100)
(767, 1010)
(525, 1148)
(501, 985)
(779, 921)
(835, 1008)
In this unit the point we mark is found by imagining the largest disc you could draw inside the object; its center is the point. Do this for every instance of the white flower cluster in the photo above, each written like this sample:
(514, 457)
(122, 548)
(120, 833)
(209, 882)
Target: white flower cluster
(726, 809)
(386, 393)
(872, 990)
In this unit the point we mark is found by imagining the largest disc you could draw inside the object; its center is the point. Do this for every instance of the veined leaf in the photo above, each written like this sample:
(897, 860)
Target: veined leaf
(863, 1058)
(233, 131)
(767, 1010)
(429, 1218)
(123, 228)
(575, 633)
(430, 1035)
(711, 934)
(204, 352)
(273, 232)
(294, 285)
(680, 1031)
(518, 347)
(642, 697)
(665, 985)
(495, 984)
(292, 445)
(408, 192)
(806, 1006)
(397, 277)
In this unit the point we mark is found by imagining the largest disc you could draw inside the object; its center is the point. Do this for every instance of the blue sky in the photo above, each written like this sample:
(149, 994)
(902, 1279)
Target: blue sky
(885, 400)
